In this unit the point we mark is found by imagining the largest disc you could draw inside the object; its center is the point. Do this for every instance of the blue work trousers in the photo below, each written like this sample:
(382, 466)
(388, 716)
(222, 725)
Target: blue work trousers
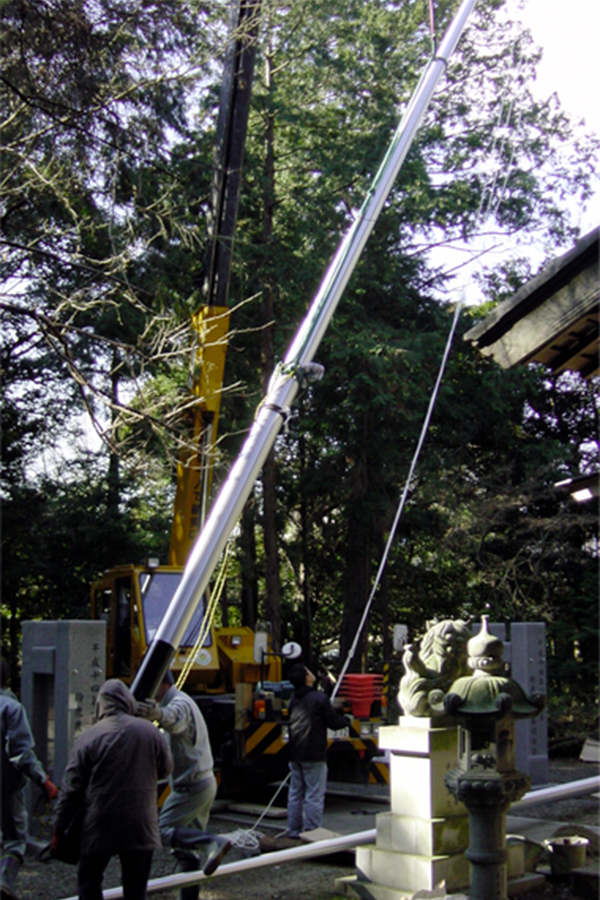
(187, 809)
(13, 834)
(306, 796)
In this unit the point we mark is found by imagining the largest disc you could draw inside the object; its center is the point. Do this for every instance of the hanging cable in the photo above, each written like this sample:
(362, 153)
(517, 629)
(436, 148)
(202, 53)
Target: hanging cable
(432, 27)
(402, 503)
(207, 619)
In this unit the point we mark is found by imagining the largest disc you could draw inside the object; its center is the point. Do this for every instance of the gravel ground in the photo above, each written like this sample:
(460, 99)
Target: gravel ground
(290, 881)
(301, 880)
(583, 810)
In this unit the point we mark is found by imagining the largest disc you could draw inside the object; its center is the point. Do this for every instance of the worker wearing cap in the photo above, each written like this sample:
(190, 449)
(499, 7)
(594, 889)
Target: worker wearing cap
(310, 715)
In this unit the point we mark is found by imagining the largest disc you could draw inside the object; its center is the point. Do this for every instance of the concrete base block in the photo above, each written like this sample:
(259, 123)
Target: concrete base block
(420, 758)
(411, 871)
(352, 886)
(515, 860)
(528, 882)
(427, 837)
(591, 750)
(585, 883)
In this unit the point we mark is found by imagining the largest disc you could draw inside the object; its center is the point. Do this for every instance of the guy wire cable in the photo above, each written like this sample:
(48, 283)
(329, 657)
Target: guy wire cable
(401, 505)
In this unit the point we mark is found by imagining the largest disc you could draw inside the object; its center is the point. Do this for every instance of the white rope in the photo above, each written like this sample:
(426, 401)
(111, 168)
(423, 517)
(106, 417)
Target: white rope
(271, 801)
(248, 842)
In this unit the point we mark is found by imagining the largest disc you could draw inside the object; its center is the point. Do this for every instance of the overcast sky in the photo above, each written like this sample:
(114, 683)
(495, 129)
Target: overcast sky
(568, 31)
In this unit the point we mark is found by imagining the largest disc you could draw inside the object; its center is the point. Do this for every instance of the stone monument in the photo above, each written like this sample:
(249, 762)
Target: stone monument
(421, 842)
(487, 703)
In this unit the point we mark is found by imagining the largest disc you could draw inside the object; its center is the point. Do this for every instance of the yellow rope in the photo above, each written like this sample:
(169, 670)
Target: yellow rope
(208, 617)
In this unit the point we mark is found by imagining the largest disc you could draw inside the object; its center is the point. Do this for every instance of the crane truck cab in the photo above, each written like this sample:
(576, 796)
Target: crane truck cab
(133, 599)
(234, 676)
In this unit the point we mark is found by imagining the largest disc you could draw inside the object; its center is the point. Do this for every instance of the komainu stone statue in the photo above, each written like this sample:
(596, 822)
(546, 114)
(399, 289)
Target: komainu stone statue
(433, 666)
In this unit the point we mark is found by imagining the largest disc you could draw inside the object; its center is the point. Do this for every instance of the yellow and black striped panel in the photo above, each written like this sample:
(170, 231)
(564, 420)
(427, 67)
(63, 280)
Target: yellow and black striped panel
(379, 772)
(263, 738)
(385, 687)
(354, 738)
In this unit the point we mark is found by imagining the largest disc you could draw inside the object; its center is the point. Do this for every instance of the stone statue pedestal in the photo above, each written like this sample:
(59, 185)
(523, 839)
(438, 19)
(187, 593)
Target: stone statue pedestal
(421, 841)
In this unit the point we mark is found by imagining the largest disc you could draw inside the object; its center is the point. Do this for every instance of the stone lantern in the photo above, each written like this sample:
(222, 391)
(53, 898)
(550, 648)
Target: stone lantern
(486, 705)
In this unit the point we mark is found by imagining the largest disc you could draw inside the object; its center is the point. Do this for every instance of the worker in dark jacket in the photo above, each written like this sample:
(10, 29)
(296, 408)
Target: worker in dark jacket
(19, 762)
(113, 774)
(310, 715)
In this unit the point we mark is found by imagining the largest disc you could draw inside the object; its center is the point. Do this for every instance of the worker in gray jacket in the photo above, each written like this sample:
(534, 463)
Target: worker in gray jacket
(19, 762)
(112, 777)
(185, 813)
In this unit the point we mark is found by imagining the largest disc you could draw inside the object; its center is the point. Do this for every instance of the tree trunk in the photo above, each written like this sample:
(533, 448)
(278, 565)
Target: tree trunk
(356, 589)
(14, 633)
(114, 474)
(269, 473)
(247, 544)
(383, 605)
(305, 530)
(357, 570)
(272, 582)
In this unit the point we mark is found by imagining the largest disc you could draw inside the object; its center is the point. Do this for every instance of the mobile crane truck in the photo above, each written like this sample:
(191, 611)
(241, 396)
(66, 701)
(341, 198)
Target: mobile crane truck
(232, 672)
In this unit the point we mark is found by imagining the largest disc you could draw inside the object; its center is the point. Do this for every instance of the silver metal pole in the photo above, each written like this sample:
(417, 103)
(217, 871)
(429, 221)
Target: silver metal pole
(557, 792)
(284, 384)
(307, 851)
(345, 842)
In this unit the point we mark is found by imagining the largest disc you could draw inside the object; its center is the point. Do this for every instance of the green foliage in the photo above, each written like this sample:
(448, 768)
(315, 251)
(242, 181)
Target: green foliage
(59, 533)
(108, 143)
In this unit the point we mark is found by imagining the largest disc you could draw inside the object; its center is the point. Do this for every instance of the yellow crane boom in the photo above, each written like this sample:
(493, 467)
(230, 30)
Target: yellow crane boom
(210, 326)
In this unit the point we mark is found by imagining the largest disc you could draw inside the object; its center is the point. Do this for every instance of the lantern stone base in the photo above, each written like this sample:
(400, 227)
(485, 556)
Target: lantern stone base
(520, 881)
(352, 886)
(421, 842)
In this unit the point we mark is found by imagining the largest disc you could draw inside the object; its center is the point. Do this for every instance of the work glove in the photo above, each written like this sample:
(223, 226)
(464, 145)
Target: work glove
(149, 709)
(51, 790)
(55, 840)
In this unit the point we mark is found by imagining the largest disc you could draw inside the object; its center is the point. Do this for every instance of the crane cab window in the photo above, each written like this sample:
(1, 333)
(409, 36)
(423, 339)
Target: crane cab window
(157, 590)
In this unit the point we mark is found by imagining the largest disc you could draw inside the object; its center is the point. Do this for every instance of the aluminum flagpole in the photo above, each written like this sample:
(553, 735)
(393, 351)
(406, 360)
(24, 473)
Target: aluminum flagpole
(287, 378)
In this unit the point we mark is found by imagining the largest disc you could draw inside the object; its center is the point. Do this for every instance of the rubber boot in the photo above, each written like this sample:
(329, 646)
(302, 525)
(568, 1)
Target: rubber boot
(217, 850)
(9, 869)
